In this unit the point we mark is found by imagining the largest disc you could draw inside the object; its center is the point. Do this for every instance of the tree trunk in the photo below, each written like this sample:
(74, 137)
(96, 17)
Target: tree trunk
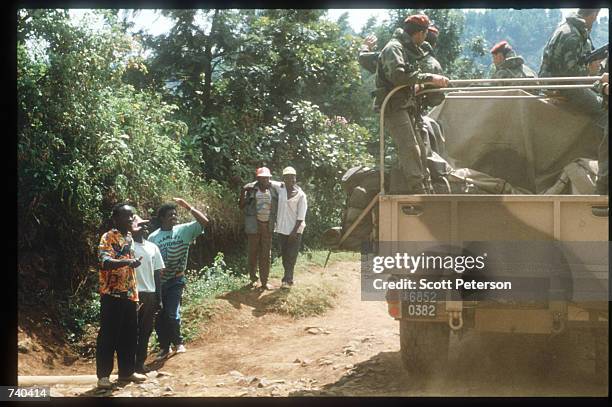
(210, 41)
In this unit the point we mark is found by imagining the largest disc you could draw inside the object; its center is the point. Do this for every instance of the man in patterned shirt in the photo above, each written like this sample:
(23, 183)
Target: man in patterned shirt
(173, 241)
(118, 301)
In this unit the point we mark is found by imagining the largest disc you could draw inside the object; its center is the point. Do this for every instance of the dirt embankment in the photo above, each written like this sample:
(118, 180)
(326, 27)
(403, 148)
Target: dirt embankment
(351, 350)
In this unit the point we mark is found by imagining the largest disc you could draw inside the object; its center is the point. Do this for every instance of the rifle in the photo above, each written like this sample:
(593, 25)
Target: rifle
(595, 55)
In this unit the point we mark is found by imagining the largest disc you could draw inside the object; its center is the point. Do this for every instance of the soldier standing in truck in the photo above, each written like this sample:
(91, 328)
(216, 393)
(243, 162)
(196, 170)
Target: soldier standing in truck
(398, 65)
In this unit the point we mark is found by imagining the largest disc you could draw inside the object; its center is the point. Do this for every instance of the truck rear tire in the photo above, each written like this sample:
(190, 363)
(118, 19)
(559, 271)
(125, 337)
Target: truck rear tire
(423, 346)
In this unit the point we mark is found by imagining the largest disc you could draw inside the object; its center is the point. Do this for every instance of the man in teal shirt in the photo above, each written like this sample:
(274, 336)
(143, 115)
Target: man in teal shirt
(173, 241)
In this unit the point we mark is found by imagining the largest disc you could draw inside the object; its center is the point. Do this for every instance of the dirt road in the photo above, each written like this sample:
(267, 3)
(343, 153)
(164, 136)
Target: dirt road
(352, 350)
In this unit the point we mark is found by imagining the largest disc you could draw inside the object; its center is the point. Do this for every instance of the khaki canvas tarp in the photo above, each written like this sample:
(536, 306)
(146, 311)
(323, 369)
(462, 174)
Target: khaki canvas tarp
(526, 142)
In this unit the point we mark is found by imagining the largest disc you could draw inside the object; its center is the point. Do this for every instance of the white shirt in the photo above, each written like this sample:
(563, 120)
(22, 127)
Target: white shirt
(290, 211)
(151, 260)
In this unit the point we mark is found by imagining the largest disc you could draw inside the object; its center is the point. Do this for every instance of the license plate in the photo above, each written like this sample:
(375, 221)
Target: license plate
(419, 304)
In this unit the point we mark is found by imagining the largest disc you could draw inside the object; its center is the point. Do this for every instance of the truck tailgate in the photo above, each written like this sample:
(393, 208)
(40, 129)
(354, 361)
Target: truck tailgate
(579, 220)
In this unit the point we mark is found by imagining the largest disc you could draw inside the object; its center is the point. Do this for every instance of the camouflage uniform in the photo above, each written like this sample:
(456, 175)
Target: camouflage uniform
(429, 63)
(398, 64)
(603, 156)
(561, 58)
(568, 43)
(513, 67)
(368, 59)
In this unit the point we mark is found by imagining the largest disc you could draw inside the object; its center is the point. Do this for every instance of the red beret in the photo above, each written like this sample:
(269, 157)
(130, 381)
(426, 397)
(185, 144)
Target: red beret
(418, 19)
(432, 29)
(501, 47)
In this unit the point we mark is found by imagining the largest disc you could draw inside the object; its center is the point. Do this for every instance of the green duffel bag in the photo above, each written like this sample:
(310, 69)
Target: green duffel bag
(353, 176)
(365, 177)
(371, 181)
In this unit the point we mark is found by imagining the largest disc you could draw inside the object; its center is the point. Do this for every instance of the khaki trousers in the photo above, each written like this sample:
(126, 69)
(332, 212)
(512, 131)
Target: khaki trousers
(411, 150)
(260, 244)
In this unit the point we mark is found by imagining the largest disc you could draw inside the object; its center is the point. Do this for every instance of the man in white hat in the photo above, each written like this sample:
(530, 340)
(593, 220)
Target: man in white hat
(290, 223)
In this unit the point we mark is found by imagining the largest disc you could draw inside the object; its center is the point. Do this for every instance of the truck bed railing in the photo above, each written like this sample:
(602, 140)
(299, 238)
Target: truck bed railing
(541, 84)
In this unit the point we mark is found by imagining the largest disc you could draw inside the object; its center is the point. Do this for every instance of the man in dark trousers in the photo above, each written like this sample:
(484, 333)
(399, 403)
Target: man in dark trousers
(603, 157)
(149, 287)
(118, 301)
(562, 56)
(290, 222)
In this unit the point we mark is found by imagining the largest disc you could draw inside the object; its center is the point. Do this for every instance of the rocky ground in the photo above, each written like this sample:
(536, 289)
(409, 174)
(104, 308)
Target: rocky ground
(351, 350)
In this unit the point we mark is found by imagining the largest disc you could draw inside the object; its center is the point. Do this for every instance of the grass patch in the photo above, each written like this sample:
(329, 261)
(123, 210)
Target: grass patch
(201, 289)
(304, 300)
(314, 292)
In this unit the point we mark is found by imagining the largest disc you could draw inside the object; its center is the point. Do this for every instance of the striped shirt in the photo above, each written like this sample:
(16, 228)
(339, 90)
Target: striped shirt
(174, 247)
(264, 205)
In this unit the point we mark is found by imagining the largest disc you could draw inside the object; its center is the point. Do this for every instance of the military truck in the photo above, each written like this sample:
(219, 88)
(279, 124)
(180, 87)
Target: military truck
(527, 140)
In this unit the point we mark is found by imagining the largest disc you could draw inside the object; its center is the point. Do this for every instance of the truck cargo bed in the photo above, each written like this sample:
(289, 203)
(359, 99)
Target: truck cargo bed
(493, 217)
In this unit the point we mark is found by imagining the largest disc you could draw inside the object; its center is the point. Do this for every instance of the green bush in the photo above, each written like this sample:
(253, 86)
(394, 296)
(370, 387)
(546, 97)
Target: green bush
(87, 140)
(78, 315)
